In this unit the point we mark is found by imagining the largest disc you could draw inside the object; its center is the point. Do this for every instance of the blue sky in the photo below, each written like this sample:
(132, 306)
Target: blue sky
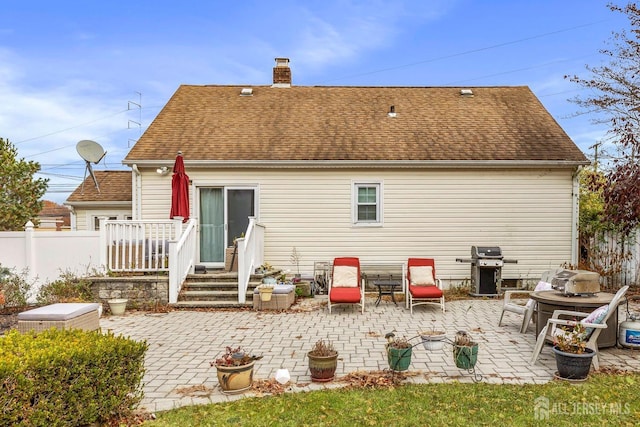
(73, 70)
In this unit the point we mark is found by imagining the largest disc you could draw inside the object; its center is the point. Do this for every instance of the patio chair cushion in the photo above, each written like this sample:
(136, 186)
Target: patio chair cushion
(541, 286)
(596, 316)
(345, 276)
(349, 295)
(421, 291)
(422, 276)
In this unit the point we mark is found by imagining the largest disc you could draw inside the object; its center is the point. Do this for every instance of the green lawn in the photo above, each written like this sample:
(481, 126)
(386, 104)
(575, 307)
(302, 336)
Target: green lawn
(605, 399)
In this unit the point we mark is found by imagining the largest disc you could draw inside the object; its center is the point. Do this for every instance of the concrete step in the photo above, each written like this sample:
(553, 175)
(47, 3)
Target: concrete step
(209, 295)
(213, 304)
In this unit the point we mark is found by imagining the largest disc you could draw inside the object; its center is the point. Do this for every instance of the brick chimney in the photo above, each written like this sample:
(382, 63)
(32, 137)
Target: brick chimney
(282, 73)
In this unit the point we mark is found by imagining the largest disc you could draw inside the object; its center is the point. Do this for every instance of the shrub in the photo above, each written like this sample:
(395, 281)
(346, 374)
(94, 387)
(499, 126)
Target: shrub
(68, 288)
(15, 287)
(68, 377)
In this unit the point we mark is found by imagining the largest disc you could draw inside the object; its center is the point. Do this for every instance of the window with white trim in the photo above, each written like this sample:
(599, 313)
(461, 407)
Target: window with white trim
(367, 203)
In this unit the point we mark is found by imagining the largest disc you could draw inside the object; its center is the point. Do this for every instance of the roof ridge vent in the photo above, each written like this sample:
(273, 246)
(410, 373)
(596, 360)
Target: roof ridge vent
(246, 91)
(468, 93)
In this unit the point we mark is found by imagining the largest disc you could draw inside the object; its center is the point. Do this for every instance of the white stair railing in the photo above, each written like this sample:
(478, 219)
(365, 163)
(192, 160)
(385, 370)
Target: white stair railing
(250, 256)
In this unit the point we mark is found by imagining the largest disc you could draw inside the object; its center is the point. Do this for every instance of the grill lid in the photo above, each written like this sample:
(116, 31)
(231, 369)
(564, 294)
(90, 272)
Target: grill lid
(493, 252)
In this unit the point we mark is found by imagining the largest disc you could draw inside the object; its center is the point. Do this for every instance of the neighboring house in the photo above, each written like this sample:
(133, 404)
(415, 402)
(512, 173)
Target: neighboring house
(111, 200)
(382, 173)
(53, 216)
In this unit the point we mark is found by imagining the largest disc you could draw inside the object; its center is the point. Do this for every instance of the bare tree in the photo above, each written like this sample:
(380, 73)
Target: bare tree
(615, 99)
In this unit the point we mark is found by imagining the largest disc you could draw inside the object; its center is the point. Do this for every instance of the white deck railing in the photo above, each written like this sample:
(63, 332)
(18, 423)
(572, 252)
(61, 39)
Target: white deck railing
(138, 246)
(250, 256)
(181, 259)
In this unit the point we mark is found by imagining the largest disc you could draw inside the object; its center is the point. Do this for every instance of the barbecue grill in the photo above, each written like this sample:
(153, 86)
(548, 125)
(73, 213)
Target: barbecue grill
(486, 269)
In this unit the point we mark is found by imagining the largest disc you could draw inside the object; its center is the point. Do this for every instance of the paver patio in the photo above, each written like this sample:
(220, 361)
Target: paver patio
(182, 343)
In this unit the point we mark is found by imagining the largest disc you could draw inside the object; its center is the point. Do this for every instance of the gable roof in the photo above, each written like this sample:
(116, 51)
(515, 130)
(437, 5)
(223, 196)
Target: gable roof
(325, 123)
(115, 186)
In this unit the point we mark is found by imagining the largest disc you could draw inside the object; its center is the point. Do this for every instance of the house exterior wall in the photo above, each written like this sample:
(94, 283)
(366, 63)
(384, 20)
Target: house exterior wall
(437, 213)
(84, 217)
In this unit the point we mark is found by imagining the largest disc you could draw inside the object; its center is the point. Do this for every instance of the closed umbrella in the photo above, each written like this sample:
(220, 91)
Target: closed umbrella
(179, 190)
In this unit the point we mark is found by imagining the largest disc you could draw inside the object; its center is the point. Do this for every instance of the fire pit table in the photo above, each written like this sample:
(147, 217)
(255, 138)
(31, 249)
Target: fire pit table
(549, 301)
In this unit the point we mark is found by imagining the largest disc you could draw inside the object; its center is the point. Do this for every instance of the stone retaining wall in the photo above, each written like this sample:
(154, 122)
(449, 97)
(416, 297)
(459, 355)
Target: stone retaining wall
(141, 291)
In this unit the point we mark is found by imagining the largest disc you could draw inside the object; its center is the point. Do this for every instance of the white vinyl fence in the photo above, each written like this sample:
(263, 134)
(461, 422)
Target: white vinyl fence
(44, 255)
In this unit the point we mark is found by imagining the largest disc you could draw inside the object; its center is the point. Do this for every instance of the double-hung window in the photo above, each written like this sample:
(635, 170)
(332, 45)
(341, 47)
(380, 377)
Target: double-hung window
(367, 203)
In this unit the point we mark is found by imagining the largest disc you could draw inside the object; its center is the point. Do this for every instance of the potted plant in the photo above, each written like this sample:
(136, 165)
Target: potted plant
(433, 339)
(295, 260)
(323, 361)
(235, 370)
(465, 351)
(265, 290)
(573, 358)
(398, 352)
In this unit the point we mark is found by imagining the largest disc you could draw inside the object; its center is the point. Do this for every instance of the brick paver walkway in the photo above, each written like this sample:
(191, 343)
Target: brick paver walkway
(182, 343)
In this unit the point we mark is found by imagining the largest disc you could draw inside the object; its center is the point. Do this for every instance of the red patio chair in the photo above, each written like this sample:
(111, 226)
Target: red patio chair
(346, 285)
(423, 287)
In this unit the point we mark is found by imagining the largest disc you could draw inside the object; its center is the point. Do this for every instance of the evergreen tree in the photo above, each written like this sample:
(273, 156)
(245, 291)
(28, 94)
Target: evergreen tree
(20, 193)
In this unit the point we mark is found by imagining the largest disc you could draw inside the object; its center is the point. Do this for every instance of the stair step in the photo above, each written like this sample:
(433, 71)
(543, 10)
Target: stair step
(209, 295)
(212, 304)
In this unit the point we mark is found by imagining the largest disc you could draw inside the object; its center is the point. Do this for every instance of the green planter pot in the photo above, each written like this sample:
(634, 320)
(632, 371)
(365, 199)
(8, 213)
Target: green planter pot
(465, 357)
(399, 358)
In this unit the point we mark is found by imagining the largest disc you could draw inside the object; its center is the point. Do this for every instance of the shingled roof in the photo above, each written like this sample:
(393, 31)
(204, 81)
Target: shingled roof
(325, 123)
(115, 186)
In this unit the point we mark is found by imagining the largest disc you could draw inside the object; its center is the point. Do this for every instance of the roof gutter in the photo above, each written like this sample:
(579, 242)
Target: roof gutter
(409, 164)
(136, 192)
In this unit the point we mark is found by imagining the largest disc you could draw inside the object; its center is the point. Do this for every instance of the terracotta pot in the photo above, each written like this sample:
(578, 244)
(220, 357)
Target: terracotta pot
(235, 379)
(322, 368)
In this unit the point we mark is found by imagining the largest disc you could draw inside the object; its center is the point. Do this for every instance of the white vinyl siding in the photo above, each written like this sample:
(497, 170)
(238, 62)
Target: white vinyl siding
(437, 213)
(86, 218)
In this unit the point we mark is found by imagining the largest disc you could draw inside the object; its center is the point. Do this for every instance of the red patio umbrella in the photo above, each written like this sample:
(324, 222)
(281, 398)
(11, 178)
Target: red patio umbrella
(179, 190)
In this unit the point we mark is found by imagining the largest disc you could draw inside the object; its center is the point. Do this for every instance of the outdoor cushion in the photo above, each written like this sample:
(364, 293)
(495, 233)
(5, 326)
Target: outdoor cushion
(596, 316)
(345, 295)
(345, 276)
(541, 286)
(422, 276)
(279, 289)
(421, 291)
(60, 311)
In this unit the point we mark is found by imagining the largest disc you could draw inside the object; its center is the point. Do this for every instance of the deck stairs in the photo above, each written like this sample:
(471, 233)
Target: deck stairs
(216, 289)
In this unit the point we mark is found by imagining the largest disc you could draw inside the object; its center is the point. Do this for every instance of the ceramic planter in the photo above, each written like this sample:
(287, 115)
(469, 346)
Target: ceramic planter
(322, 368)
(433, 341)
(465, 356)
(117, 306)
(235, 379)
(573, 366)
(399, 358)
(265, 293)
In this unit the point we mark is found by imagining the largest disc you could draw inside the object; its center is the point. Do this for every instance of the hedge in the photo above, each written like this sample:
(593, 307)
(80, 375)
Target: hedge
(68, 377)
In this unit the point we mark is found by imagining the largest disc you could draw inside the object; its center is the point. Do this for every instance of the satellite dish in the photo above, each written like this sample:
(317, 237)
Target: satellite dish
(91, 152)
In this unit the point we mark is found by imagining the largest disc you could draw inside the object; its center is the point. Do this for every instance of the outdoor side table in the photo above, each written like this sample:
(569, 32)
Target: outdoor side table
(387, 287)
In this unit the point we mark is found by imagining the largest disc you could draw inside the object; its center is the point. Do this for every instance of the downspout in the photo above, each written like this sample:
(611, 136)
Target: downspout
(575, 217)
(137, 193)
